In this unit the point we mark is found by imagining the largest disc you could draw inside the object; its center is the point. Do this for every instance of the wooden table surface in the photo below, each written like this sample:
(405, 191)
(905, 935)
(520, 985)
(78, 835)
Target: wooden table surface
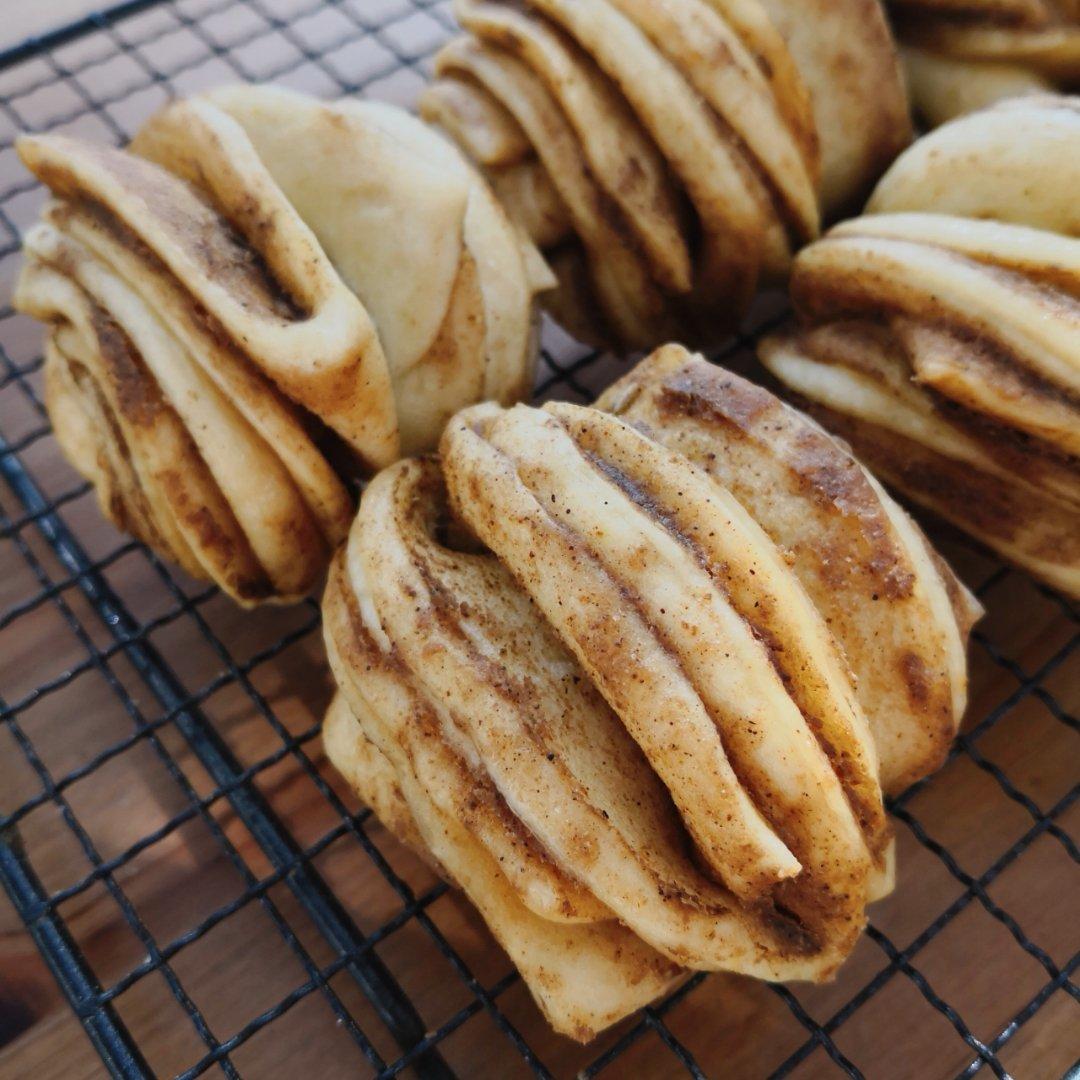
(951, 840)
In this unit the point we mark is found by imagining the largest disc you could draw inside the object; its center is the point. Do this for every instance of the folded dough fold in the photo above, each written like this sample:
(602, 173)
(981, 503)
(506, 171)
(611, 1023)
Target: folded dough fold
(939, 332)
(691, 626)
(963, 55)
(133, 266)
(897, 611)
(584, 977)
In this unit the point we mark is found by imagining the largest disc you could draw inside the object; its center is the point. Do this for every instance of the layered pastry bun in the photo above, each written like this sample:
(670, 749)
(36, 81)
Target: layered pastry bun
(668, 158)
(963, 55)
(597, 666)
(939, 334)
(261, 298)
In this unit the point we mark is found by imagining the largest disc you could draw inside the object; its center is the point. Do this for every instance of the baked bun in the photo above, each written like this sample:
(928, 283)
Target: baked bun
(939, 333)
(962, 55)
(629, 697)
(669, 158)
(234, 325)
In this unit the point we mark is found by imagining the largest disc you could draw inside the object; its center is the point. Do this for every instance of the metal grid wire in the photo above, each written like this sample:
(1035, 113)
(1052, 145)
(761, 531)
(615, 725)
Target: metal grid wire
(100, 78)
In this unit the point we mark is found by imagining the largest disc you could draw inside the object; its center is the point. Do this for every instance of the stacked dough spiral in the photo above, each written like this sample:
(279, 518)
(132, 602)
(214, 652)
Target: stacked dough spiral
(264, 292)
(670, 157)
(962, 55)
(627, 727)
(941, 332)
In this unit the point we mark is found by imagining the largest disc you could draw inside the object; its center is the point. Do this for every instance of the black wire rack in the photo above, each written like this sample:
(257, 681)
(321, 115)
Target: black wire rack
(125, 681)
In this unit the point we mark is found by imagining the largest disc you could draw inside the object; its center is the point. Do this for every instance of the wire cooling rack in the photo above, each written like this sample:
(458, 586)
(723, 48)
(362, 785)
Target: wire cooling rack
(206, 893)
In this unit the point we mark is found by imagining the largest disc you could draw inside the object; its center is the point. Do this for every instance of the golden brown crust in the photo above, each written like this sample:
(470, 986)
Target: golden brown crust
(452, 671)
(371, 775)
(469, 794)
(943, 345)
(239, 261)
(592, 551)
(585, 975)
(838, 533)
(403, 219)
(1010, 518)
(154, 408)
(845, 51)
(673, 151)
(625, 693)
(964, 55)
